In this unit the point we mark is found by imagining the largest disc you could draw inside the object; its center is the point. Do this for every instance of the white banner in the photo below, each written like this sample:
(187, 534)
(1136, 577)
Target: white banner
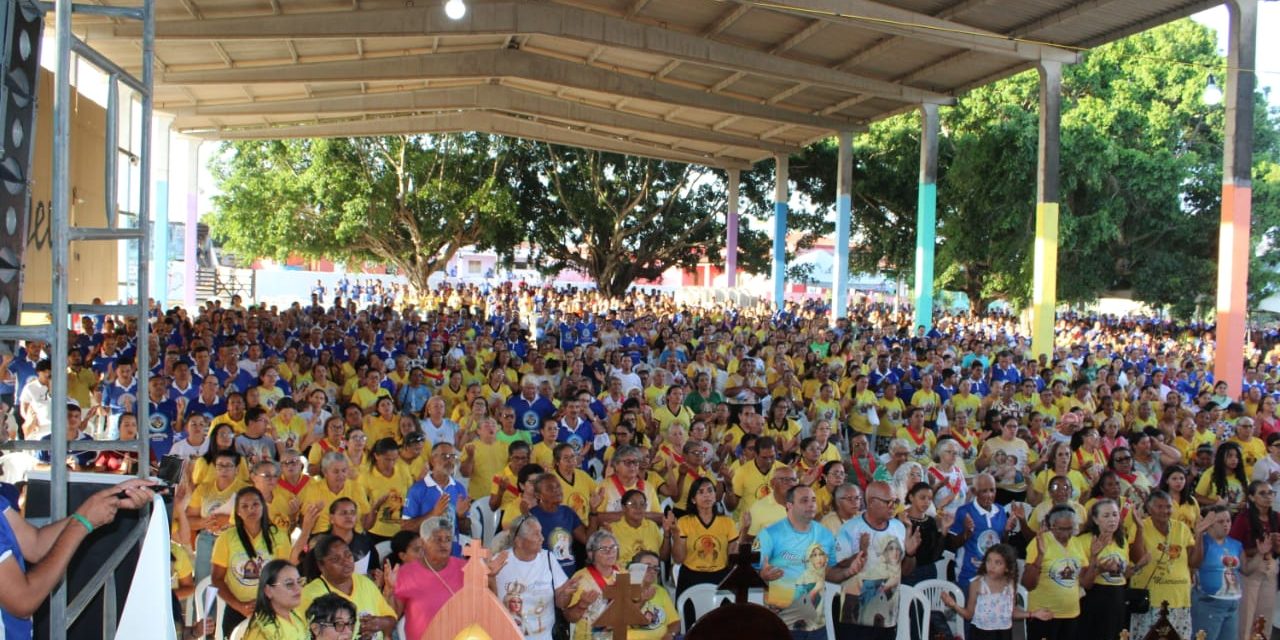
(148, 609)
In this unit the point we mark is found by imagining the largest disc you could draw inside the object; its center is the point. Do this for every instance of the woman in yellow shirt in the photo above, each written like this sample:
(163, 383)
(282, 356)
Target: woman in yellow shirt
(1058, 566)
(240, 552)
(279, 594)
(382, 423)
(860, 405)
(1176, 484)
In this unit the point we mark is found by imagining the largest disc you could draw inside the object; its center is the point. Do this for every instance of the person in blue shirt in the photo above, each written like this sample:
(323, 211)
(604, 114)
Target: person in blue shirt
(414, 396)
(1215, 597)
(76, 460)
(23, 366)
(51, 547)
(439, 494)
(531, 409)
(980, 525)
(560, 524)
(162, 416)
(797, 558)
(121, 394)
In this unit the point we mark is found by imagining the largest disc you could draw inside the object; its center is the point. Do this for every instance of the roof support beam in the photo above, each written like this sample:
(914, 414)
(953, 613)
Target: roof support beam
(902, 22)
(488, 96)
(504, 63)
(496, 124)
(530, 18)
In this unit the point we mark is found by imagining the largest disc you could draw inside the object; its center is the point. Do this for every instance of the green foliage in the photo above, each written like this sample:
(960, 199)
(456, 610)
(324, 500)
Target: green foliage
(620, 218)
(1141, 173)
(410, 201)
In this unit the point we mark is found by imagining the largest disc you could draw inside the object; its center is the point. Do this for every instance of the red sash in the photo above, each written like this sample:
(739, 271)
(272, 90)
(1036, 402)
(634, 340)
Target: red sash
(913, 437)
(506, 486)
(617, 485)
(962, 440)
(857, 471)
(953, 486)
(674, 456)
(599, 577)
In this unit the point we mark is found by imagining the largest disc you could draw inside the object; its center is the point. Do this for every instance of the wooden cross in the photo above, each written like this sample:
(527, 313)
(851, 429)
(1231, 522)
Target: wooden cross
(743, 577)
(624, 606)
(476, 570)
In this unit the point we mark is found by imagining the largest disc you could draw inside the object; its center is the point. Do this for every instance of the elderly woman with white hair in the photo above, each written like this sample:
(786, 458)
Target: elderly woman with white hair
(899, 454)
(588, 600)
(529, 582)
(334, 483)
(946, 476)
(424, 583)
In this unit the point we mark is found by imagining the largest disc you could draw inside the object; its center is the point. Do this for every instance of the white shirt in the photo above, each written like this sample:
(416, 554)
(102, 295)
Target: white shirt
(446, 432)
(1263, 469)
(37, 397)
(527, 591)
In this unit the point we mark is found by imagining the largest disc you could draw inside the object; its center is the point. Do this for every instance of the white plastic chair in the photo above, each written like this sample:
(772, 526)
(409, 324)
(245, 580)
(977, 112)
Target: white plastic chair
(1020, 626)
(830, 600)
(484, 521)
(933, 590)
(595, 467)
(940, 567)
(238, 632)
(400, 632)
(384, 550)
(909, 597)
(703, 599)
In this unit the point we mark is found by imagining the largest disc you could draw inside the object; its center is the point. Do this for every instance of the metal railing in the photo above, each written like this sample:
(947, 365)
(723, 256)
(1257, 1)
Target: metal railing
(62, 615)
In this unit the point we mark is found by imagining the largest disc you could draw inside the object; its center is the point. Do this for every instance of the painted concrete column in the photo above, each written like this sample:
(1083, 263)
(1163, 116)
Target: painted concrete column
(780, 230)
(159, 267)
(926, 215)
(844, 214)
(1234, 247)
(190, 267)
(1044, 283)
(731, 233)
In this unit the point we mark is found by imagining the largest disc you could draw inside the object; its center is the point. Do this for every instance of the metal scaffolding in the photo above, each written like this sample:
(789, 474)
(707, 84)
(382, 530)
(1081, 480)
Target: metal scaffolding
(62, 614)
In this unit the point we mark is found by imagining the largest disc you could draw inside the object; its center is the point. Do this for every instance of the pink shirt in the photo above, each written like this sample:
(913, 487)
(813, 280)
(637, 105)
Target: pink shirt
(423, 593)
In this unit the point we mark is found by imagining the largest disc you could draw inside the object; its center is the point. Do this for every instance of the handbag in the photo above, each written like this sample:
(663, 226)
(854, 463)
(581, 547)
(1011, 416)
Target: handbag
(1139, 600)
(560, 628)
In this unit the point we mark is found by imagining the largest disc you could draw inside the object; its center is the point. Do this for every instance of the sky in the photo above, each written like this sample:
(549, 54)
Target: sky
(1268, 60)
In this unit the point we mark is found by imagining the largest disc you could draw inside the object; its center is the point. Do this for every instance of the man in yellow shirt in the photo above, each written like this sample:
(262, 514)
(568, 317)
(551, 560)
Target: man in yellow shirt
(1253, 448)
(751, 481)
(767, 511)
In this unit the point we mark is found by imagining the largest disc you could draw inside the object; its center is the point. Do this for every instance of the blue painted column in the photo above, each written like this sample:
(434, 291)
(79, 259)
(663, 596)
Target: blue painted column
(159, 267)
(926, 215)
(844, 214)
(780, 230)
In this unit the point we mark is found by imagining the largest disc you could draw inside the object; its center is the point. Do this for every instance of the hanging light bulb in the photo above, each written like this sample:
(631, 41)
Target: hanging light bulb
(1212, 93)
(455, 9)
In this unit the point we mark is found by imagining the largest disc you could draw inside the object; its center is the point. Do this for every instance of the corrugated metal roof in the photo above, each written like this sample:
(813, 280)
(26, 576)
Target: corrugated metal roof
(721, 82)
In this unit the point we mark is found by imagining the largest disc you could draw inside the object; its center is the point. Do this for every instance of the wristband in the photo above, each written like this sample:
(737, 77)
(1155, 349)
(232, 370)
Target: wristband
(84, 521)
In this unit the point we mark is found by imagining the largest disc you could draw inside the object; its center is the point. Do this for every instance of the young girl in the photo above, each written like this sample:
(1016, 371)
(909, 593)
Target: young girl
(990, 605)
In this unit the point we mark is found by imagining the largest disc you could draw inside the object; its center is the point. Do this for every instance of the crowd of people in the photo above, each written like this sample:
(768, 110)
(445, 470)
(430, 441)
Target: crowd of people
(338, 454)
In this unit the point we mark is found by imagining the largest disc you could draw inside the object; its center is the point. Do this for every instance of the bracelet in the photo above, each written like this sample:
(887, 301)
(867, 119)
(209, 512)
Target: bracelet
(84, 521)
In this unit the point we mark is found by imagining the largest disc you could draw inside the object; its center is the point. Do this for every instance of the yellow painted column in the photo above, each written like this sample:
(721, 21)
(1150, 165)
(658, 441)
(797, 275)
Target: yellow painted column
(1044, 285)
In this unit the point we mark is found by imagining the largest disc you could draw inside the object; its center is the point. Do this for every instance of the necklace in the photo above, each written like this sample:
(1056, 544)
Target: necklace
(439, 577)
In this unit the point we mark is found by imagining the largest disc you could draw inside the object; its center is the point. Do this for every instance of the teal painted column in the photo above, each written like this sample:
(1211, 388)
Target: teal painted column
(844, 214)
(780, 230)
(926, 215)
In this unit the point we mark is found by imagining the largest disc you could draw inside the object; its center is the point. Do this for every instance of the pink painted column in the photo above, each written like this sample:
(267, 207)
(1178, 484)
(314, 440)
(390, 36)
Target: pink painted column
(1234, 247)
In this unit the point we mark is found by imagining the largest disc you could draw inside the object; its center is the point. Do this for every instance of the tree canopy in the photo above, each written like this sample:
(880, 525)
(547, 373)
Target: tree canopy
(409, 201)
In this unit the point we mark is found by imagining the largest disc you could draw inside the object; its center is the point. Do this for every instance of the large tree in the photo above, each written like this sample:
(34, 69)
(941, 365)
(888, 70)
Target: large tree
(1141, 180)
(407, 201)
(620, 218)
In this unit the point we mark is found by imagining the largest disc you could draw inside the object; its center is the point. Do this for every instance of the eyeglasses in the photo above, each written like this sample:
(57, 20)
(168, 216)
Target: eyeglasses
(339, 625)
(636, 503)
(449, 456)
(268, 476)
(608, 548)
(292, 463)
(629, 462)
(291, 584)
(222, 465)
(884, 500)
